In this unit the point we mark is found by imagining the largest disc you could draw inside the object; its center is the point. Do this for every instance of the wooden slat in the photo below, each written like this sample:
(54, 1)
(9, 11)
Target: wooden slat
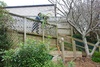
(21, 32)
(81, 41)
(79, 46)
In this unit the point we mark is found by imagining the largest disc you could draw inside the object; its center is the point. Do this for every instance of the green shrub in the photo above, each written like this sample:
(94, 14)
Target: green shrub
(71, 64)
(5, 42)
(68, 46)
(32, 54)
(89, 38)
(96, 57)
(52, 64)
(77, 36)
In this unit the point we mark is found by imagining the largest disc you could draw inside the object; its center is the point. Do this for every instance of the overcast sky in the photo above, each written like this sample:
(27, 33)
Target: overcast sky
(25, 2)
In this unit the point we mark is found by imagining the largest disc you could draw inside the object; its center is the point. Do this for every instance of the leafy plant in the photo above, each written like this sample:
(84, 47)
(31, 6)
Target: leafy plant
(89, 38)
(71, 64)
(68, 46)
(32, 54)
(77, 36)
(96, 57)
(5, 42)
(52, 64)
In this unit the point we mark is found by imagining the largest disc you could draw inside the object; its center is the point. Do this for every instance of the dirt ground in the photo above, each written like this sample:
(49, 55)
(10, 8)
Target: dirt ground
(83, 62)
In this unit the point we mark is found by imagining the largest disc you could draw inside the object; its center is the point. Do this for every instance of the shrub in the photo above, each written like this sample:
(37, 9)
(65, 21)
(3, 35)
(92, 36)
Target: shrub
(77, 36)
(71, 64)
(96, 57)
(5, 42)
(56, 64)
(68, 46)
(32, 54)
(89, 38)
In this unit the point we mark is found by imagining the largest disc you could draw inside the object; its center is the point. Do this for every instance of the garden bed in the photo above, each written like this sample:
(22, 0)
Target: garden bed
(83, 62)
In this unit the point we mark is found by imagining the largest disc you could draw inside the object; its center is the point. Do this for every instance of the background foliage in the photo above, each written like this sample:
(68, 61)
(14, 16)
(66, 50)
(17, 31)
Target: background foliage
(96, 57)
(5, 42)
(32, 54)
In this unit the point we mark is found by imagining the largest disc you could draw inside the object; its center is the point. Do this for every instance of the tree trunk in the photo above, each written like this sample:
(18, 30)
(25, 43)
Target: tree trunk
(86, 46)
(94, 48)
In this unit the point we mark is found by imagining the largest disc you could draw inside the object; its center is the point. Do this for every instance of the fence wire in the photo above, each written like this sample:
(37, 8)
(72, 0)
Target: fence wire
(21, 25)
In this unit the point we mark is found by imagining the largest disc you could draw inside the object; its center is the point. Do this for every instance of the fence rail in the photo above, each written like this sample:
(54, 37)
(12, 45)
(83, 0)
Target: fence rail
(21, 24)
(77, 45)
(18, 24)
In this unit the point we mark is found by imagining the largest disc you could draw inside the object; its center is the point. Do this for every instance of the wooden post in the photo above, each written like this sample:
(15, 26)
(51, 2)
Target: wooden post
(24, 31)
(74, 48)
(99, 48)
(43, 33)
(43, 22)
(55, 10)
(57, 34)
(73, 43)
(63, 51)
(71, 31)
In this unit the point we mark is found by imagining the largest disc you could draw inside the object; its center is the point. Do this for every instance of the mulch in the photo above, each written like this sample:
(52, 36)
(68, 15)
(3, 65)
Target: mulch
(82, 62)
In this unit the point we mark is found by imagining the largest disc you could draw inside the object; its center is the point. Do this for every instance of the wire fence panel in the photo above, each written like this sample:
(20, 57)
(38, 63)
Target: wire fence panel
(9, 35)
(17, 30)
(18, 24)
(51, 30)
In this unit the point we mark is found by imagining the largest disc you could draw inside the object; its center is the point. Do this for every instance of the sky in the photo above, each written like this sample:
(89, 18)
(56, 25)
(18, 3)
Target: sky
(25, 2)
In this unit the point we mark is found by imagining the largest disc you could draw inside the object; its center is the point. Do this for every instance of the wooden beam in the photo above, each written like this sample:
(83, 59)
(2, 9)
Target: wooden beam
(30, 19)
(81, 40)
(32, 34)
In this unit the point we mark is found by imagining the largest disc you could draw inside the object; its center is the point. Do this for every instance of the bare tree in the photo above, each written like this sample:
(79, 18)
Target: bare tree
(83, 15)
(62, 7)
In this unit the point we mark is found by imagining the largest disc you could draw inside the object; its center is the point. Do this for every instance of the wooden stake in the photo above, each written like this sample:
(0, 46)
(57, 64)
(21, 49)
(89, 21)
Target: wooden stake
(99, 48)
(24, 31)
(63, 51)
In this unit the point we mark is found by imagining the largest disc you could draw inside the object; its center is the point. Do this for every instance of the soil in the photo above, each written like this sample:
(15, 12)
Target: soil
(82, 62)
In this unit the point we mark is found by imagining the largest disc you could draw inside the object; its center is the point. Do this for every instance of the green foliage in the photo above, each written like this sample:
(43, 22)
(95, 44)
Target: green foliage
(5, 42)
(77, 36)
(8, 55)
(32, 54)
(96, 57)
(52, 64)
(71, 64)
(4, 18)
(89, 38)
(2, 4)
(44, 19)
(68, 46)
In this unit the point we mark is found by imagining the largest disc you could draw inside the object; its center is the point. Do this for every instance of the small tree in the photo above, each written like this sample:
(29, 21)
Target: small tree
(5, 42)
(4, 20)
(83, 15)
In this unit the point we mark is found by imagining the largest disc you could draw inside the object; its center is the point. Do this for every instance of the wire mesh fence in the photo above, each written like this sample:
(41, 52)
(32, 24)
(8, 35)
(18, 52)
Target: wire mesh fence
(19, 27)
